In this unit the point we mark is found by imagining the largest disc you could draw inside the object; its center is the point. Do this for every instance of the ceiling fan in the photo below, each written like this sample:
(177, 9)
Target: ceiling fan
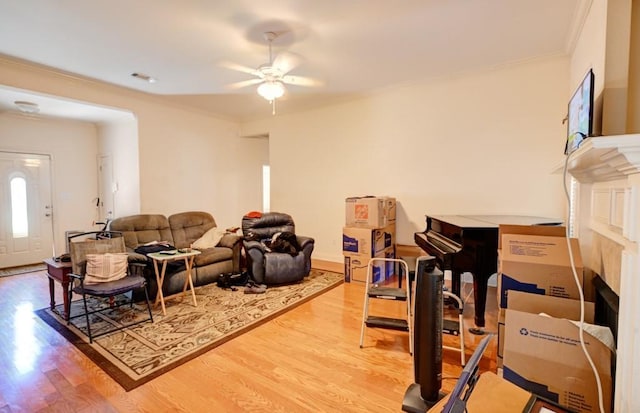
(271, 77)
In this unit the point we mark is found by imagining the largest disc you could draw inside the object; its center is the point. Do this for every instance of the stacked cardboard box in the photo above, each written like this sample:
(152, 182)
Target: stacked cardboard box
(538, 265)
(542, 353)
(370, 211)
(369, 232)
(533, 259)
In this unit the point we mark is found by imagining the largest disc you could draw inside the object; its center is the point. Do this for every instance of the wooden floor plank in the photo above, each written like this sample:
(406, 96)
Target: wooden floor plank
(307, 360)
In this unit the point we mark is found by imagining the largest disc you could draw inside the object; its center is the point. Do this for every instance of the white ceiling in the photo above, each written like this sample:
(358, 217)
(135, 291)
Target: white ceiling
(351, 46)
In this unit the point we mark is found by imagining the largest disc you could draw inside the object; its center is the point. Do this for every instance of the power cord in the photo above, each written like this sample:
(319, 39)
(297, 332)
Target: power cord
(577, 280)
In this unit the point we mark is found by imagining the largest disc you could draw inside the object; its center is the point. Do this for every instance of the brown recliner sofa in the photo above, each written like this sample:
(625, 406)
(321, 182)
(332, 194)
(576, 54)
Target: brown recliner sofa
(180, 230)
(273, 267)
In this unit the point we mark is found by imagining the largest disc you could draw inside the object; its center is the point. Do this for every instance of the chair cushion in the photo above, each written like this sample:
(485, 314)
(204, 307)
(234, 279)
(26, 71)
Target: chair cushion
(80, 248)
(186, 227)
(109, 289)
(142, 229)
(213, 255)
(265, 226)
(105, 267)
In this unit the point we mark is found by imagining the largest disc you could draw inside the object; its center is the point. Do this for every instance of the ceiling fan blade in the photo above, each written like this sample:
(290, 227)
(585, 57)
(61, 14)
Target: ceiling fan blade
(286, 62)
(241, 68)
(300, 81)
(244, 83)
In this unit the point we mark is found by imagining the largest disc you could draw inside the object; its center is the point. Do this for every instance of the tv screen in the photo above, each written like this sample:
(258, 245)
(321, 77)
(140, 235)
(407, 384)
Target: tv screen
(580, 114)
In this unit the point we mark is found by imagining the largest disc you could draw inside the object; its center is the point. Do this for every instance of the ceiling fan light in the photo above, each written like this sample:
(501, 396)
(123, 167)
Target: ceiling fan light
(271, 90)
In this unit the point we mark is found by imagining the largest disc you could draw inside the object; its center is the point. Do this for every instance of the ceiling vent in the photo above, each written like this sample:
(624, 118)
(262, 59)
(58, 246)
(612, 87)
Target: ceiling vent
(27, 107)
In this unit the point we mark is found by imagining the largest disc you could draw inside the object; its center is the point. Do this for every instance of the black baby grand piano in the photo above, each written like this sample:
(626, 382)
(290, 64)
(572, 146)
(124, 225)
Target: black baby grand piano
(469, 243)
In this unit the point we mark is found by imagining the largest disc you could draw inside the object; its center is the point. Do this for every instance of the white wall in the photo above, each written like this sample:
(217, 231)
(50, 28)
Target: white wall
(190, 162)
(255, 154)
(120, 140)
(589, 53)
(73, 147)
(589, 50)
(188, 159)
(482, 143)
(608, 43)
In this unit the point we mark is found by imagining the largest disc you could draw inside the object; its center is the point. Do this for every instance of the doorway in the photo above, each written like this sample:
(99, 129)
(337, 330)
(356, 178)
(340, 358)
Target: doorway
(105, 202)
(26, 217)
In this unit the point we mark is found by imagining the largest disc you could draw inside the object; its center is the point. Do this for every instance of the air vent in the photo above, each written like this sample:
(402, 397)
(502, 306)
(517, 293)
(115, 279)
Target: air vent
(144, 77)
(27, 107)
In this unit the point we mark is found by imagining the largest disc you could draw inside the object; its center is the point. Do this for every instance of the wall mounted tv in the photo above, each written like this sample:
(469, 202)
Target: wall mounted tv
(580, 114)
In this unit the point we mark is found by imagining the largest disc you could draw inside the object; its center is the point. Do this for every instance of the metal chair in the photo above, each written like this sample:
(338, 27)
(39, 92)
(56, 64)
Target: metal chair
(102, 242)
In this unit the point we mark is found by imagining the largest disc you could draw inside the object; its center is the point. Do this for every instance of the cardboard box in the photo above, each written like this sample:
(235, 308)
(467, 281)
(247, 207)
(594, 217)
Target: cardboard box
(545, 230)
(367, 241)
(535, 303)
(538, 265)
(544, 355)
(370, 211)
(355, 266)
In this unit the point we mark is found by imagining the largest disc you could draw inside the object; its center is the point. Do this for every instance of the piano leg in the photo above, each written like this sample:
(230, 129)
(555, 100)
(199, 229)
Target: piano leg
(456, 275)
(455, 289)
(480, 300)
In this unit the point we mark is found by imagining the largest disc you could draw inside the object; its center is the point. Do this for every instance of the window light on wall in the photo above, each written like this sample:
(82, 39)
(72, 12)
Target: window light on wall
(573, 210)
(266, 188)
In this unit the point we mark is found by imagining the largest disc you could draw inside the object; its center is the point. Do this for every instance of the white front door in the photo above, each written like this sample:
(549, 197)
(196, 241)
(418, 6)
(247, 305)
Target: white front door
(26, 235)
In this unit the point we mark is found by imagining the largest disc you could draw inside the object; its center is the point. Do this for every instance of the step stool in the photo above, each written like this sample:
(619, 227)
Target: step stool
(455, 328)
(387, 293)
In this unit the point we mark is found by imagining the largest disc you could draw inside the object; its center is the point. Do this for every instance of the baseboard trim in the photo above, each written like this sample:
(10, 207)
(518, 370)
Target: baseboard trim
(328, 265)
(339, 267)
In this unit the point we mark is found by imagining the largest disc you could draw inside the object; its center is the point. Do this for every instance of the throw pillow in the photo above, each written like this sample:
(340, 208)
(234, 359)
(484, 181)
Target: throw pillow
(209, 239)
(105, 267)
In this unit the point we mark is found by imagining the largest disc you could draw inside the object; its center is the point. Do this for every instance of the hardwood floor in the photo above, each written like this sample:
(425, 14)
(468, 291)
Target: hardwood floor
(307, 360)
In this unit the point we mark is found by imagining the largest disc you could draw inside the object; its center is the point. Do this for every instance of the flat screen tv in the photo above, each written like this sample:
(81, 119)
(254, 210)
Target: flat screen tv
(580, 114)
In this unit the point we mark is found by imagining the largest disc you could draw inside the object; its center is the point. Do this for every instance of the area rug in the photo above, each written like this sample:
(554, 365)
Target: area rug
(138, 354)
(22, 269)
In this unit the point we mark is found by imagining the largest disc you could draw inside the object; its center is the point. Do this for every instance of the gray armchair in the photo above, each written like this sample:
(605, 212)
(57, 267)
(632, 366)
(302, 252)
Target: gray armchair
(268, 266)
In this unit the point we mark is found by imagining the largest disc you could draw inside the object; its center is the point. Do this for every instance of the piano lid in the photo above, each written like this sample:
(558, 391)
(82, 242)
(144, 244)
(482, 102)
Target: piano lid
(493, 221)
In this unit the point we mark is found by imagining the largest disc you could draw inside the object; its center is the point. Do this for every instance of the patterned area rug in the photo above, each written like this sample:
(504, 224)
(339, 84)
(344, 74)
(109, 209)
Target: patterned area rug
(21, 270)
(138, 354)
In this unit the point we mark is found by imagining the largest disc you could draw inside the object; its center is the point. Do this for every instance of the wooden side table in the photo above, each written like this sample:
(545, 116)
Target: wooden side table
(58, 271)
(188, 255)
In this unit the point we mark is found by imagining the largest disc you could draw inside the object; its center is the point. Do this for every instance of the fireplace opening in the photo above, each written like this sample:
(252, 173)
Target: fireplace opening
(606, 306)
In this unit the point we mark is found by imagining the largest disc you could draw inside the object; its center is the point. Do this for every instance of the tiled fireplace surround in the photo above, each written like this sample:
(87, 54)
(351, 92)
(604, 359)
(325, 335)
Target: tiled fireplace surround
(607, 222)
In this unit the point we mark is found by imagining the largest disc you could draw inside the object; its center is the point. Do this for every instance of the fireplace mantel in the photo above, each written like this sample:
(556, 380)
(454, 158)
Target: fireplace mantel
(606, 158)
(608, 221)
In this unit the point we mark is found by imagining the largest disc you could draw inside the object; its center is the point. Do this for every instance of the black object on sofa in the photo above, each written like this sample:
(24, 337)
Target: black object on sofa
(271, 267)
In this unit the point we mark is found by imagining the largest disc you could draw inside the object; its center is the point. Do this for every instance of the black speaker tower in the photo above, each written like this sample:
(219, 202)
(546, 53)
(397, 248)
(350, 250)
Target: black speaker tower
(427, 333)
